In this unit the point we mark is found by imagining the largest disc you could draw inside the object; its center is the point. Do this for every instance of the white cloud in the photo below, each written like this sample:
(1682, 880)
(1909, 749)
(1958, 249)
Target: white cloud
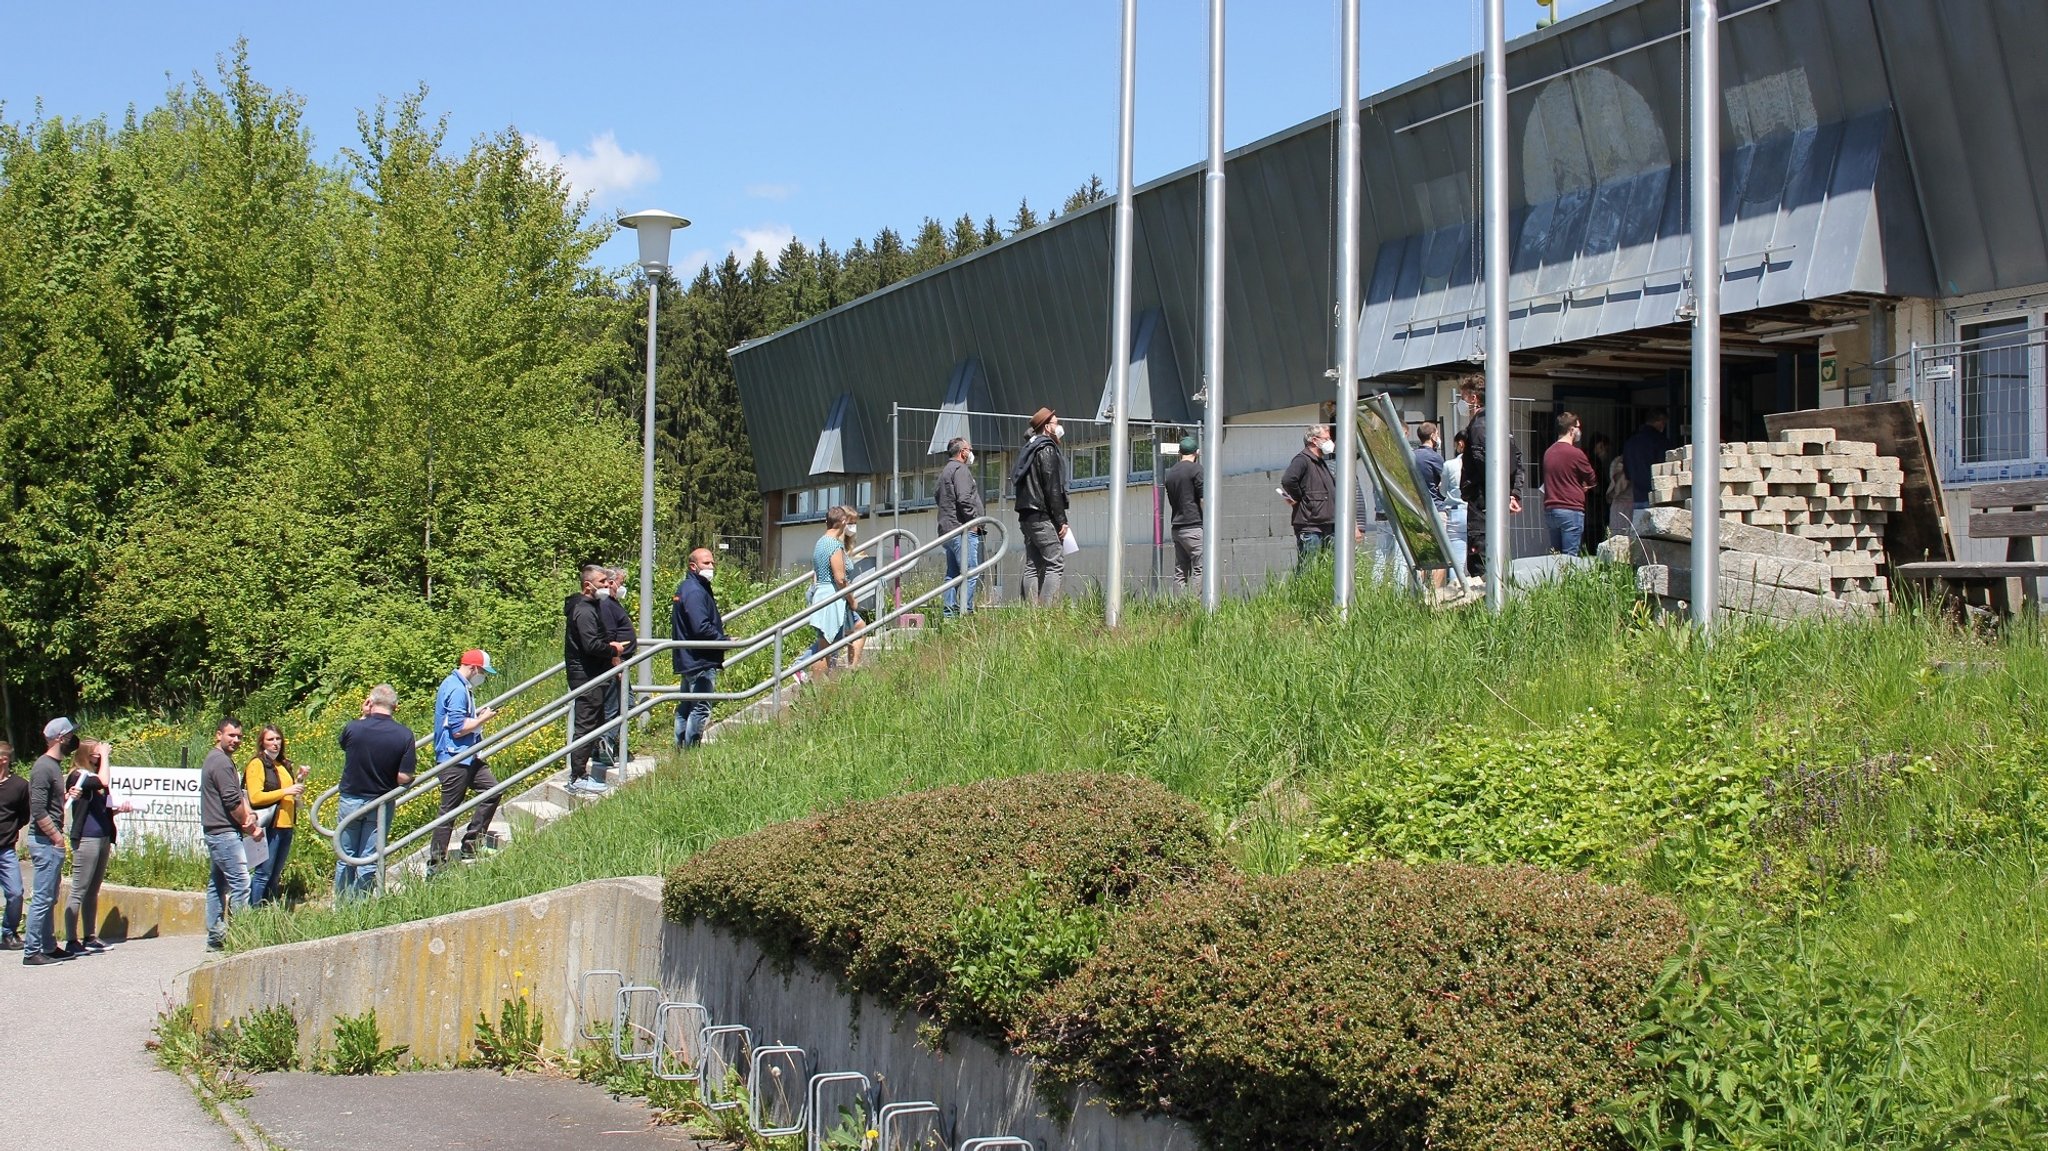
(768, 239)
(601, 171)
(777, 192)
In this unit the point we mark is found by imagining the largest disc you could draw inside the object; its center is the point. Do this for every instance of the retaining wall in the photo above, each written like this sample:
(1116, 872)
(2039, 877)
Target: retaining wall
(429, 980)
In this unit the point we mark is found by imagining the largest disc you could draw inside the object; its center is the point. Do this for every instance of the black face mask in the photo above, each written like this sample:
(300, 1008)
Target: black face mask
(70, 744)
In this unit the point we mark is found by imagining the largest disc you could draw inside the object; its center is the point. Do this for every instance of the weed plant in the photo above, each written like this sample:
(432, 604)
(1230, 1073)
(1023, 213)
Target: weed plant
(359, 1048)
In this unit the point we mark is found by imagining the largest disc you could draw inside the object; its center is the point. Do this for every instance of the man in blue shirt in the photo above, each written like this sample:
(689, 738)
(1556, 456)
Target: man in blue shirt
(458, 727)
(695, 615)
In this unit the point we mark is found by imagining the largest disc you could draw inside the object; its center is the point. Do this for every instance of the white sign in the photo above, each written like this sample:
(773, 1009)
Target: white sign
(166, 801)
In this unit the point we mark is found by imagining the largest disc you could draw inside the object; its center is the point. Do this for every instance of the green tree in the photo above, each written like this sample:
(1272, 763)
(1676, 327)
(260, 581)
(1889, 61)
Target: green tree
(1025, 219)
(1088, 193)
(929, 250)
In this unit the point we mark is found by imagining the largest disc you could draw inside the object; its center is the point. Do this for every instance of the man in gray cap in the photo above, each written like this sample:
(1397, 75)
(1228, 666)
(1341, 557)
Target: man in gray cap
(959, 502)
(46, 800)
(1184, 497)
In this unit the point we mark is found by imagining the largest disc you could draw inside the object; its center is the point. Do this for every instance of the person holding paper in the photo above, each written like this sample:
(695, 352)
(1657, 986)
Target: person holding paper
(92, 841)
(274, 784)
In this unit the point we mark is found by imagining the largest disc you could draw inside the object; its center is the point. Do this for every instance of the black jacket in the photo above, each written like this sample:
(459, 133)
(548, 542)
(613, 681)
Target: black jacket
(584, 649)
(959, 497)
(1472, 481)
(693, 614)
(617, 622)
(1184, 493)
(1309, 483)
(1040, 481)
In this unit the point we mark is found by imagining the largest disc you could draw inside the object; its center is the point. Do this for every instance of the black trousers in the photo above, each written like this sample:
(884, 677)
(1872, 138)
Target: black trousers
(588, 717)
(457, 780)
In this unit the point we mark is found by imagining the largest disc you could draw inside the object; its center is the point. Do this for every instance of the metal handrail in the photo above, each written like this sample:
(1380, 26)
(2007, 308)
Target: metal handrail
(646, 649)
(802, 578)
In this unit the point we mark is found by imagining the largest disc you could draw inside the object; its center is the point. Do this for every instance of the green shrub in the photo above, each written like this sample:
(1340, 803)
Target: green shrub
(1756, 1042)
(359, 1048)
(1446, 1007)
(881, 891)
(1010, 948)
(513, 1043)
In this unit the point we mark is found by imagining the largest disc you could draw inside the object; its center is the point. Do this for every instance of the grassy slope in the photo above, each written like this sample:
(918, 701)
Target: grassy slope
(1253, 712)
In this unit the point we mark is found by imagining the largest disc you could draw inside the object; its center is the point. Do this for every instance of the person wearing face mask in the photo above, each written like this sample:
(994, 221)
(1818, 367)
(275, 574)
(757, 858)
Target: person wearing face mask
(458, 728)
(1039, 480)
(694, 616)
(1310, 490)
(586, 654)
(836, 616)
(959, 502)
(1472, 476)
(46, 800)
(624, 638)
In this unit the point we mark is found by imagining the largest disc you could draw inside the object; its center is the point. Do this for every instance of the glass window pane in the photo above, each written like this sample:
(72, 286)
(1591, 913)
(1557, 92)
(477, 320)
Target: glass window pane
(1995, 391)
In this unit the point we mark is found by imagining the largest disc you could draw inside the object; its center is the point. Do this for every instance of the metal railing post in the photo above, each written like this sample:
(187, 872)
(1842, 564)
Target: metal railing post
(620, 757)
(383, 843)
(776, 691)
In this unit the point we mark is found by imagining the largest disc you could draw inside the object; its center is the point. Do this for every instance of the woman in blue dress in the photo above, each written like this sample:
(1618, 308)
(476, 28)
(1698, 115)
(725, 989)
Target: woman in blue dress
(835, 616)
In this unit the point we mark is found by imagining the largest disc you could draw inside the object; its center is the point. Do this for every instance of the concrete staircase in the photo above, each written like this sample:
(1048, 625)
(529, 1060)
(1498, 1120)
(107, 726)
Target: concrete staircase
(549, 800)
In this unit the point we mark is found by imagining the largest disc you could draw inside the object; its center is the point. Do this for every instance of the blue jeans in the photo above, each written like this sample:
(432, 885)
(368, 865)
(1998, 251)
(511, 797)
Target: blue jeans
(264, 881)
(227, 881)
(10, 890)
(962, 553)
(692, 715)
(358, 839)
(1567, 529)
(1308, 544)
(48, 860)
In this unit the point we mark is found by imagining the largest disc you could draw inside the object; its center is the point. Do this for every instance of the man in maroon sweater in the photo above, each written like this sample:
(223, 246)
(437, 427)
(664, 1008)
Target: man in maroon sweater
(1567, 477)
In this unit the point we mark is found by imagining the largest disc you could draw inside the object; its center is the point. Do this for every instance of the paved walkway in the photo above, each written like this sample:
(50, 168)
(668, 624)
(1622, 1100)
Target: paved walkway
(437, 1110)
(74, 1051)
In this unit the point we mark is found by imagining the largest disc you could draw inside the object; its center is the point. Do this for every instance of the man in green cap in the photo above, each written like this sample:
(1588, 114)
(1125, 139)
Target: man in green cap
(1184, 497)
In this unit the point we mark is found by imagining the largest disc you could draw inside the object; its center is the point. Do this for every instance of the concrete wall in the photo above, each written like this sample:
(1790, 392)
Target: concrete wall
(981, 1090)
(428, 980)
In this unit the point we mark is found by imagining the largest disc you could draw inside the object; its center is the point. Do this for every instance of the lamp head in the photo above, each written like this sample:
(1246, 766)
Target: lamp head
(655, 227)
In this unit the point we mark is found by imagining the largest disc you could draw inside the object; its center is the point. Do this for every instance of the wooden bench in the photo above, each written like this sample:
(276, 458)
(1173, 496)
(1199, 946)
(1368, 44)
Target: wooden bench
(2015, 511)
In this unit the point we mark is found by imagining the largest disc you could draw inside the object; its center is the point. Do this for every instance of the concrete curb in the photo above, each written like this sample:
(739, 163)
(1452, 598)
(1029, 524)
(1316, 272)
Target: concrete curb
(225, 1112)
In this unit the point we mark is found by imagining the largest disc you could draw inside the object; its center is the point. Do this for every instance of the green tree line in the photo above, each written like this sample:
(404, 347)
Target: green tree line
(272, 427)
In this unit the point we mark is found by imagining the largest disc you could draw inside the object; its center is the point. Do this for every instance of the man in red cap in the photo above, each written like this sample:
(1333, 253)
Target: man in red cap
(458, 728)
(1040, 483)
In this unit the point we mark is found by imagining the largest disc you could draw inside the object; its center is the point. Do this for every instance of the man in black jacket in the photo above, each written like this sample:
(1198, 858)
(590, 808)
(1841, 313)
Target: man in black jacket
(1184, 498)
(959, 502)
(694, 615)
(1311, 492)
(586, 654)
(1040, 483)
(1472, 480)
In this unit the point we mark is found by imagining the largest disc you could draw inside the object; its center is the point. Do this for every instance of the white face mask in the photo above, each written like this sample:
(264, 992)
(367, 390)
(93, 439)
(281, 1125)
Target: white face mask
(604, 593)
(970, 457)
(852, 529)
(706, 573)
(1058, 432)
(1327, 447)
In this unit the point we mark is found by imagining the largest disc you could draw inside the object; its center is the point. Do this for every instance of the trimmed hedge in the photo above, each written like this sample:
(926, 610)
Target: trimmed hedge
(1027, 868)
(1385, 1006)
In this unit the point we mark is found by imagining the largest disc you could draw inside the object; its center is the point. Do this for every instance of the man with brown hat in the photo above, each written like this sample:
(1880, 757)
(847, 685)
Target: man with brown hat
(1040, 483)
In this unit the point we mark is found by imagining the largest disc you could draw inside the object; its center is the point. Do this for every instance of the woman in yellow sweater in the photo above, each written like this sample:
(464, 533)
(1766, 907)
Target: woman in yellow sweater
(275, 784)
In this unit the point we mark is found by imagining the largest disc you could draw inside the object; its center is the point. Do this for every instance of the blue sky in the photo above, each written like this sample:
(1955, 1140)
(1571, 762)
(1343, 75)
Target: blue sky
(759, 119)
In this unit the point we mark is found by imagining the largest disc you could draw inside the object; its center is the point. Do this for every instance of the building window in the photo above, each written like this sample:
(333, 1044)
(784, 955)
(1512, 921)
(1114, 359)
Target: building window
(810, 504)
(1997, 382)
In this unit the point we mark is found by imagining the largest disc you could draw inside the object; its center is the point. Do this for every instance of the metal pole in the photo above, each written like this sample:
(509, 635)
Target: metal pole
(1498, 453)
(1120, 326)
(896, 465)
(1706, 330)
(647, 484)
(1212, 322)
(1347, 314)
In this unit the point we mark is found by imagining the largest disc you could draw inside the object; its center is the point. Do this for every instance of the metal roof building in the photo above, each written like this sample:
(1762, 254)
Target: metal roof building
(1877, 150)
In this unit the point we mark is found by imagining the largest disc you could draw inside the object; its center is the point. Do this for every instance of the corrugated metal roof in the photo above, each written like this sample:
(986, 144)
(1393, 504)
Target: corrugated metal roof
(1597, 124)
(1800, 221)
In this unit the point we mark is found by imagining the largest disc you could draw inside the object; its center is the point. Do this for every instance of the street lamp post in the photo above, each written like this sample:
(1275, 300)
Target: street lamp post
(655, 227)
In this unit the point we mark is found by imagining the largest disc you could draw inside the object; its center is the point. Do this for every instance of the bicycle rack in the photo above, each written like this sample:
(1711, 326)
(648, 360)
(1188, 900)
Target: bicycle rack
(894, 1111)
(584, 1015)
(999, 1143)
(711, 1055)
(628, 1031)
(760, 1073)
(814, 1105)
(676, 1022)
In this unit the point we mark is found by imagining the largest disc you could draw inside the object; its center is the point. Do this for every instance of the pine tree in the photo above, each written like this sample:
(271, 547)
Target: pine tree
(930, 250)
(966, 237)
(990, 234)
(859, 274)
(892, 262)
(1084, 195)
(1025, 219)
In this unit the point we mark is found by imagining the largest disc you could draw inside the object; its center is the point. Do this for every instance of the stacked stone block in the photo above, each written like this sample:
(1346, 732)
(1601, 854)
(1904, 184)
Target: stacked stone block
(1836, 493)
